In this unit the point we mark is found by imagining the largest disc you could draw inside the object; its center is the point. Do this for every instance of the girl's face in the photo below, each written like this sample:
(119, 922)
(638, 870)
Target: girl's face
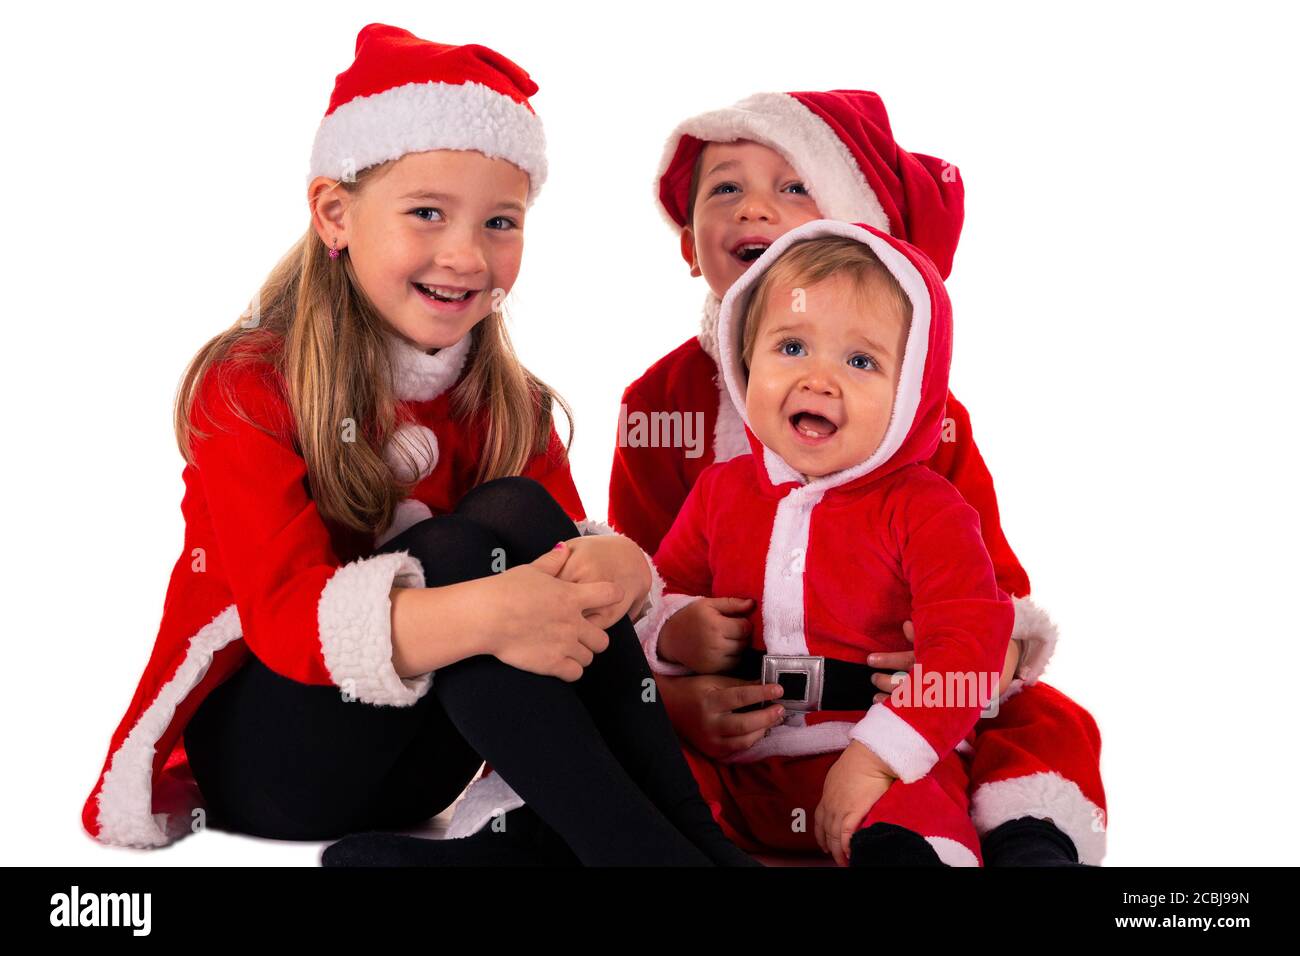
(436, 241)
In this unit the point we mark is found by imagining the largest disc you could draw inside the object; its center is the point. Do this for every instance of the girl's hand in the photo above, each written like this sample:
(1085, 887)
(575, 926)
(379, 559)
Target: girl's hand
(708, 635)
(539, 621)
(702, 709)
(608, 557)
(904, 660)
(853, 785)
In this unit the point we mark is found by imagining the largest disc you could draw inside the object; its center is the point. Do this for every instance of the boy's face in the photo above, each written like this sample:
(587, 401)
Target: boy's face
(448, 219)
(747, 194)
(822, 381)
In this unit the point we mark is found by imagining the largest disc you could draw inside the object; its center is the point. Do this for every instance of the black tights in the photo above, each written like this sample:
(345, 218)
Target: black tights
(594, 759)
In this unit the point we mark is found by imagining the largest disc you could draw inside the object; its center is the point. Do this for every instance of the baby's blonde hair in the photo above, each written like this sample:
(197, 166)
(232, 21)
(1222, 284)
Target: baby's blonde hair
(317, 329)
(810, 261)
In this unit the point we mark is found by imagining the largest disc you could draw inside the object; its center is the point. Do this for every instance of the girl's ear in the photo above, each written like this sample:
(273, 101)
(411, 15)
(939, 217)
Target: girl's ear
(688, 251)
(328, 204)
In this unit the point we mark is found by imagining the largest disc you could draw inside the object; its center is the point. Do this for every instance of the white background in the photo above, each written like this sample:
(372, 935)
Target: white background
(1124, 296)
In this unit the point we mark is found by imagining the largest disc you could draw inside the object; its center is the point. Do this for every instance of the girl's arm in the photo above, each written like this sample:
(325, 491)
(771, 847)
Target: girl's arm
(302, 612)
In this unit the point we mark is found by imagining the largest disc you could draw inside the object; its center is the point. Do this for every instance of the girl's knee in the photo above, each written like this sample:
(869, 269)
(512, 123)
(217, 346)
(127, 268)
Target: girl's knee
(451, 549)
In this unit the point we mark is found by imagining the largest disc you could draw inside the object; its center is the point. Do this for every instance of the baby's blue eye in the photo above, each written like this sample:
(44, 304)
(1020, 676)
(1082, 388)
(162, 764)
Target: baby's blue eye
(803, 190)
(785, 348)
(416, 212)
(865, 362)
(509, 223)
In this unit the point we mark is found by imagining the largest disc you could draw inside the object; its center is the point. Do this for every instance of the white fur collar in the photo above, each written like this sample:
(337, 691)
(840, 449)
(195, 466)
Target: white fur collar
(709, 325)
(419, 376)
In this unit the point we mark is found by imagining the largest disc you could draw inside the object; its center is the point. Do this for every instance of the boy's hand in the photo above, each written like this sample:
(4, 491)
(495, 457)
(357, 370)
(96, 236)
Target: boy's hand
(608, 557)
(853, 785)
(702, 709)
(903, 661)
(708, 635)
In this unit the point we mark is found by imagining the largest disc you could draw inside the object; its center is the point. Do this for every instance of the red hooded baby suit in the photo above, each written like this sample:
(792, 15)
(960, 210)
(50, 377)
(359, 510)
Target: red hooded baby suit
(835, 565)
(1040, 755)
(261, 571)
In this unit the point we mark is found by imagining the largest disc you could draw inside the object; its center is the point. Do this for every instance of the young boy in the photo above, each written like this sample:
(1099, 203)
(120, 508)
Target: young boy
(732, 181)
(835, 348)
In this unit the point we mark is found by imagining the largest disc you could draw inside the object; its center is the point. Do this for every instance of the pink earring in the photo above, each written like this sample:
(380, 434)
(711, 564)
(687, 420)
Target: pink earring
(334, 252)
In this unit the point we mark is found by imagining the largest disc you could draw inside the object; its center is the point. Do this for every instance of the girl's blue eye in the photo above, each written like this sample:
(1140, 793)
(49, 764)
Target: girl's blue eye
(416, 212)
(785, 347)
(867, 362)
(510, 223)
(721, 186)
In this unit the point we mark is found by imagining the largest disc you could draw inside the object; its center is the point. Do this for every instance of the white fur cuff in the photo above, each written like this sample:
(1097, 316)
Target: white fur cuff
(355, 617)
(648, 628)
(1036, 630)
(896, 742)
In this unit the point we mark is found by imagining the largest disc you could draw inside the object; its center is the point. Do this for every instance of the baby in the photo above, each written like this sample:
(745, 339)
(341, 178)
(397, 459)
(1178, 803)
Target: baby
(836, 345)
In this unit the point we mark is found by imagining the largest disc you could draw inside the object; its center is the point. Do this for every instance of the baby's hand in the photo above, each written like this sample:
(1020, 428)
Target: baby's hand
(708, 635)
(853, 785)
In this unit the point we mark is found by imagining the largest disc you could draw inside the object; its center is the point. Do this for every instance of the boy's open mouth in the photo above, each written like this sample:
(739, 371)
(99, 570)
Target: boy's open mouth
(747, 251)
(813, 427)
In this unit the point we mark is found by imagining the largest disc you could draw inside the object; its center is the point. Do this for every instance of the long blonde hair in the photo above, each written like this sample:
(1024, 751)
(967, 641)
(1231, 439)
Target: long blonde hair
(315, 327)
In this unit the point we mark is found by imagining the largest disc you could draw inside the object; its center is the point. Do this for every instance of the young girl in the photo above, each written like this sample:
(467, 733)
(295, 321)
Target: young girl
(333, 657)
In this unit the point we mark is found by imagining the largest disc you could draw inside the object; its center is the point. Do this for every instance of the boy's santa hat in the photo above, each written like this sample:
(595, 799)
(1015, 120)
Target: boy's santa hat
(405, 95)
(840, 142)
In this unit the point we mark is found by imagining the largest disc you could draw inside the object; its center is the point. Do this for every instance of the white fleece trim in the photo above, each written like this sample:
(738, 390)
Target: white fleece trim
(729, 440)
(783, 573)
(126, 794)
(592, 526)
(355, 616)
(819, 156)
(1044, 795)
(896, 742)
(417, 117)
(652, 622)
(951, 852)
(795, 738)
(412, 452)
(908, 397)
(408, 513)
(419, 376)
(486, 797)
(1034, 627)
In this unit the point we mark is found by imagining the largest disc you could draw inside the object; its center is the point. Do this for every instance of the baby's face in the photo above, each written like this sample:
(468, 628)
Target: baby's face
(450, 221)
(822, 381)
(747, 196)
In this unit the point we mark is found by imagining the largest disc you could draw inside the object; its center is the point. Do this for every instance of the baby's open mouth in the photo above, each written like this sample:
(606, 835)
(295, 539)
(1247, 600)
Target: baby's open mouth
(813, 426)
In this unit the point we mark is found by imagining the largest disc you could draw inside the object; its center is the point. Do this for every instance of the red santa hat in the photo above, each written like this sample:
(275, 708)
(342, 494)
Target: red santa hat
(841, 143)
(405, 95)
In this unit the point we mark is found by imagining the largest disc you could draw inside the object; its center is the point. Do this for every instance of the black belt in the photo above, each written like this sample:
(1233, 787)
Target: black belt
(810, 683)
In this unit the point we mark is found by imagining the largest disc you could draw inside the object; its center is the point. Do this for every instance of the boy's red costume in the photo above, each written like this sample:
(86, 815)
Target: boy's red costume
(1041, 755)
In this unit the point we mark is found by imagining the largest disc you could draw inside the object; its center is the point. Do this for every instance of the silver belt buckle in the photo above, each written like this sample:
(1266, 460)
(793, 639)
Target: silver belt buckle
(813, 669)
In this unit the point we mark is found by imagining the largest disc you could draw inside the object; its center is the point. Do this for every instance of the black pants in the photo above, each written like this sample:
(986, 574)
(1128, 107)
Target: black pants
(285, 760)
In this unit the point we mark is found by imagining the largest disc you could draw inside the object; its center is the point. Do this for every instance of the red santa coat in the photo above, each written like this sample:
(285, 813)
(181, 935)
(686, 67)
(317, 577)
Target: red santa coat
(261, 571)
(649, 481)
(836, 564)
